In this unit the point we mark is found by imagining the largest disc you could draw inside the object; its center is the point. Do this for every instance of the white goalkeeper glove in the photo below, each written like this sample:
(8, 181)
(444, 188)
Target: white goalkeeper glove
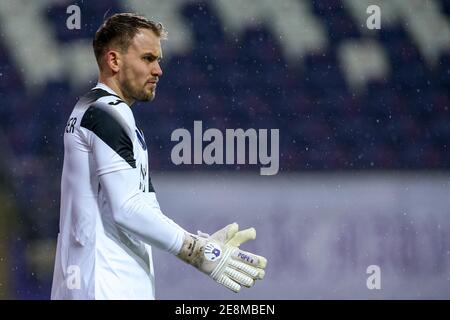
(219, 257)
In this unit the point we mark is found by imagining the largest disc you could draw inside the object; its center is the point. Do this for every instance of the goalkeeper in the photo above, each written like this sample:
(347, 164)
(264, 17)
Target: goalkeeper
(109, 216)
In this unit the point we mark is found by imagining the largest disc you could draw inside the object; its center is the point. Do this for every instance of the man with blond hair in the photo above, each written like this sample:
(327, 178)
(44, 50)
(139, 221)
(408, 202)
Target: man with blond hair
(110, 217)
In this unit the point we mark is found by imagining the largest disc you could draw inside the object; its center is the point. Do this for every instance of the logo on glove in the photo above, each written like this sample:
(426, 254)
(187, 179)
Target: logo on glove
(212, 252)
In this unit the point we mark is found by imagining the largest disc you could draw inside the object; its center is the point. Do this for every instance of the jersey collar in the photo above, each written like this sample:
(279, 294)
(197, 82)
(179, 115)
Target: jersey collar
(103, 86)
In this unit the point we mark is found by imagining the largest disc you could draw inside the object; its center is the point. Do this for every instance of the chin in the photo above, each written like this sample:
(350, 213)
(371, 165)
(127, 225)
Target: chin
(147, 97)
(150, 95)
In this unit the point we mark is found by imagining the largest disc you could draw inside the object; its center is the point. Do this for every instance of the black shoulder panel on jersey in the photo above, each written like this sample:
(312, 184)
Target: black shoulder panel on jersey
(109, 130)
(96, 94)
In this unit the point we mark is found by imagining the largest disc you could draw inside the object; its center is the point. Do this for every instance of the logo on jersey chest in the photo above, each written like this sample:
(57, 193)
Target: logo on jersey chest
(141, 139)
(143, 178)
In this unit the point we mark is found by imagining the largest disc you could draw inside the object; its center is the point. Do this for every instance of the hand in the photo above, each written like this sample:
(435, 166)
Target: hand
(219, 257)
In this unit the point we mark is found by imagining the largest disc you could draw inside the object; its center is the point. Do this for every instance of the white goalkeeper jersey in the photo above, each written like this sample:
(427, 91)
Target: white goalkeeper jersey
(109, 214)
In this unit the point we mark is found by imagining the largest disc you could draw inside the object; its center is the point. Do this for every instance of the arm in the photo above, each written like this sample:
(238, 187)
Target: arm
(132, 212)
(218, 255)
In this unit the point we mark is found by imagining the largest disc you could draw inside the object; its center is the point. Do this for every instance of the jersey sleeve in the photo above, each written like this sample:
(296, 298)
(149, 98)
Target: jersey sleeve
(108, 137)
(141, 216)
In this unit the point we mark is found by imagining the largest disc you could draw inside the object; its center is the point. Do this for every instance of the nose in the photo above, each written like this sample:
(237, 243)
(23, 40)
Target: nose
(157, 71)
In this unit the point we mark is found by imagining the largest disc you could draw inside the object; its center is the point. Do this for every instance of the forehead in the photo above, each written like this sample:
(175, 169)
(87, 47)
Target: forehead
(146, 41)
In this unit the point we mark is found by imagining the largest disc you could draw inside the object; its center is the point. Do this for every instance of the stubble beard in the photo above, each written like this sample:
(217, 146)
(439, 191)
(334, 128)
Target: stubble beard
(136, 94)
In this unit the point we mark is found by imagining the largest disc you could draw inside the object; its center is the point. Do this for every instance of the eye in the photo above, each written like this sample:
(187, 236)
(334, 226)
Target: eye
(151, 58)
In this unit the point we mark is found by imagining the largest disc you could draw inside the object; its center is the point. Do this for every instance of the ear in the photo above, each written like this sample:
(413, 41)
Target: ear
(113, 60)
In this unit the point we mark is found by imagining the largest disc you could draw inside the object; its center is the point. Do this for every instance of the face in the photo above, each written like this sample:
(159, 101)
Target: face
(139, 67)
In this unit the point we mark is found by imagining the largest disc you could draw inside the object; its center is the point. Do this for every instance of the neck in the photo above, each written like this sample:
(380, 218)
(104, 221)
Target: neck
(114, 85)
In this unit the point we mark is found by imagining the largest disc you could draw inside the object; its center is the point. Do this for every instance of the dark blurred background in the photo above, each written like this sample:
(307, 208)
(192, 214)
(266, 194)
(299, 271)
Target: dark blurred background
(349, 102)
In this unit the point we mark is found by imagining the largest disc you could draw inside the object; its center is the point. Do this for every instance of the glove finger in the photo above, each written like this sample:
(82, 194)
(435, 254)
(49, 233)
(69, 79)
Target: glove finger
(228, 283)
(249, 258)
(226, 233)
(232, 230)
(242, 237)
(253, 272)
(240, 277)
